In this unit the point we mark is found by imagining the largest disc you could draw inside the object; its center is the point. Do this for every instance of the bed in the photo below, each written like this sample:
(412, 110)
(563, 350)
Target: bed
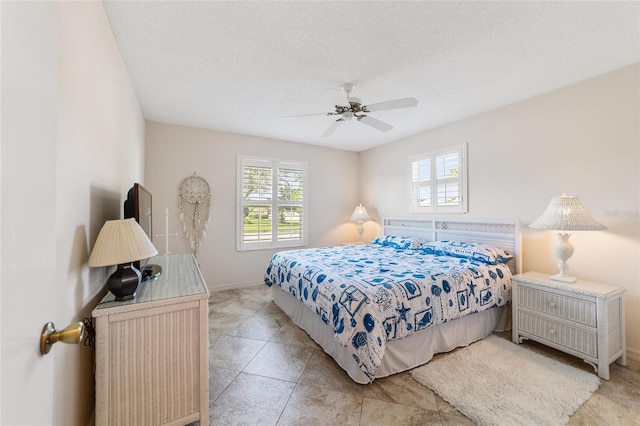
(424, 287)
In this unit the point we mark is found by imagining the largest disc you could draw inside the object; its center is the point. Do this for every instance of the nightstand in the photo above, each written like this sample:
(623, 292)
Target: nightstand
(584, 319)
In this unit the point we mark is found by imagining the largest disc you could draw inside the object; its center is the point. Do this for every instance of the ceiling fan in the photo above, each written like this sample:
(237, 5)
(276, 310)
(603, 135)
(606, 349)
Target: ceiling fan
(355, 110)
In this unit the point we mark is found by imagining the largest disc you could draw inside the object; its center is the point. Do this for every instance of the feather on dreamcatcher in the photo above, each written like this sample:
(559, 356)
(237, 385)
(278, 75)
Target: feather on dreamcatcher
(195, 205)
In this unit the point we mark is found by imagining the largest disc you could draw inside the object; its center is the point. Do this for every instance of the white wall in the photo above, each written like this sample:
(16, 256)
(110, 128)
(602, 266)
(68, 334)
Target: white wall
(583, 140)
(72, 143)
(176, 152)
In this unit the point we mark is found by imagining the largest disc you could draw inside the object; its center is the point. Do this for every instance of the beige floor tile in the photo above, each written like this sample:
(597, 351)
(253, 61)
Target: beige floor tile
(585, 416)
(213, 336)
(618, 389)
(233, 352)
(322, 371)
(241, 322)
(241, 306)
(251, 400)
(402, 389)
(270, 308)
(375, 412)
(310, 405)
(445, 408)
(261, 327)
(224, 322)
(624, 382)
(456, 420)
(217, 298)
(280, 361)
(219, 379)
(292, 334)
(615, 412)
(260, 292)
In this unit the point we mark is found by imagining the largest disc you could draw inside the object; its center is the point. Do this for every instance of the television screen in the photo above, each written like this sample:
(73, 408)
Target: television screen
(138, 205)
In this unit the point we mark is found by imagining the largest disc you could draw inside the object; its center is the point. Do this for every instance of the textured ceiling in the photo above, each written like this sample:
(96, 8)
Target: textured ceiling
(241, 66)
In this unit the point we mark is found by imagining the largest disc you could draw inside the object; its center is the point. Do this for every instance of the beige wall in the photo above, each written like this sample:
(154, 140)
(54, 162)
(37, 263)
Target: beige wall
(72, 143)
(583, 140)
(100, 153)
(175, 152)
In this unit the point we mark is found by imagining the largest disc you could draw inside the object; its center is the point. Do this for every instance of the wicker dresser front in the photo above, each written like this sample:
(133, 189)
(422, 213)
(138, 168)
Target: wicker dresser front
(152, 365)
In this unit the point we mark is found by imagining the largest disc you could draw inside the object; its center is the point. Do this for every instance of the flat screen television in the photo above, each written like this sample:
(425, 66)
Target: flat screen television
(139, 206)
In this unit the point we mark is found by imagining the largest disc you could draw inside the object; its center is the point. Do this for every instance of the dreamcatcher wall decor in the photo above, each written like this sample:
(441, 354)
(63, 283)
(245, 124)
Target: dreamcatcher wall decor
(195, 205)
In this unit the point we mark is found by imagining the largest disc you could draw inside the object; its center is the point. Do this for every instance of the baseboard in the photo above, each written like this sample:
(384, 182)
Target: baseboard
(235, 286)
(633, 355)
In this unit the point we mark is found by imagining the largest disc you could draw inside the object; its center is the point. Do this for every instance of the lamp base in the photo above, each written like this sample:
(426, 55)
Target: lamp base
(563, 250)
(124, 282)
(360, 231)
(563, 278)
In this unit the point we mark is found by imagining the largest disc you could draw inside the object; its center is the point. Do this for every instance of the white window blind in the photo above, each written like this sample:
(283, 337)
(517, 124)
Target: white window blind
(438, 181)
(271, 209)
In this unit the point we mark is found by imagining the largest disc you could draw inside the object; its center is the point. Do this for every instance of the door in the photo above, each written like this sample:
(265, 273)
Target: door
(29, 76)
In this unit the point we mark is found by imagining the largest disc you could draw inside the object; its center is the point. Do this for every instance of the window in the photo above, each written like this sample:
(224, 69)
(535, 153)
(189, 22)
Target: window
(438, 181)
(271, 210)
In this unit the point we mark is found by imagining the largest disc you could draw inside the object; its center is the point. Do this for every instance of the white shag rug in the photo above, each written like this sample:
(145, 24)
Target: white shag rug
(496, 382)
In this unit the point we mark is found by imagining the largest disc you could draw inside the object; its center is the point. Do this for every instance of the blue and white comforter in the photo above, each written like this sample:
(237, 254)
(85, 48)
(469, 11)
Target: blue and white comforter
(370, 294)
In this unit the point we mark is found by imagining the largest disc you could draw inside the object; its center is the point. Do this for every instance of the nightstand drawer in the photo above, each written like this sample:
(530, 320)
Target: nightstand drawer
(570, 308)
(577, 339)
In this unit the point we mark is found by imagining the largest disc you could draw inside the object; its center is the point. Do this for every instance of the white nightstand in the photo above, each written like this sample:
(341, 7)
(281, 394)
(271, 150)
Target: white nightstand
(584, 319)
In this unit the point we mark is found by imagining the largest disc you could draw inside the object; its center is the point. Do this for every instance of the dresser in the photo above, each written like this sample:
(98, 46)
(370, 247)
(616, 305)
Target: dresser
(584, 319)
(152, 351)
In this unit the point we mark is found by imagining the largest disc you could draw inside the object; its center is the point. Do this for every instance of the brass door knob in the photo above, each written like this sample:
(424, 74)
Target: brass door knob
(71, 334)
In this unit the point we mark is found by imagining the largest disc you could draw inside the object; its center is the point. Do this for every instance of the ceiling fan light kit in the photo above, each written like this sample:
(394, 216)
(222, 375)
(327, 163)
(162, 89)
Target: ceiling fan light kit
(355, 109)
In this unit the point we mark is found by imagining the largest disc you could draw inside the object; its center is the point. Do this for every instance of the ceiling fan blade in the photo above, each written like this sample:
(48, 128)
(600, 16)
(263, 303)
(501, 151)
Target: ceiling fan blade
(331, 129)
(309, 115)
(375, 123)
(397, 103)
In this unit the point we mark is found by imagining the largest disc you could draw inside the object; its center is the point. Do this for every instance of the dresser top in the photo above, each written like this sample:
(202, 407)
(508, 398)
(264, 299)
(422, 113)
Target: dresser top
(180, 278)
(580, 286)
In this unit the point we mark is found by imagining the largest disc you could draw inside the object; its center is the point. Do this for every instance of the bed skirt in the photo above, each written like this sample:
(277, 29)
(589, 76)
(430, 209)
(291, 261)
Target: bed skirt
(401, 354)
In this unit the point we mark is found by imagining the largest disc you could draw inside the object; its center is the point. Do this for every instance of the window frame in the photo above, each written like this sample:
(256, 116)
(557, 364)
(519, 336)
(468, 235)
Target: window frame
(461, 179)
(274, 203)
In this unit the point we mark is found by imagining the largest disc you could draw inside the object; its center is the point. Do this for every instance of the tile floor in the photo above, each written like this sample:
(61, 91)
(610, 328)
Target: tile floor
(264, 370)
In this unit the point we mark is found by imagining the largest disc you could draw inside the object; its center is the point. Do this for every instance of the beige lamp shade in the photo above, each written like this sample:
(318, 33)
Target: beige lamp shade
(360, 214)
(121, 241)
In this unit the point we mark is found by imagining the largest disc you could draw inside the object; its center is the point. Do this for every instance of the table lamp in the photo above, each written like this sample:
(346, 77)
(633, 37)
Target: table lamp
(565, 213)
(122, 242)
(360, 215)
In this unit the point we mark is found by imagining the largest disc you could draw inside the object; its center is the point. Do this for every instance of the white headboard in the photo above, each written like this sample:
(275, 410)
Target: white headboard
(504, 234)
